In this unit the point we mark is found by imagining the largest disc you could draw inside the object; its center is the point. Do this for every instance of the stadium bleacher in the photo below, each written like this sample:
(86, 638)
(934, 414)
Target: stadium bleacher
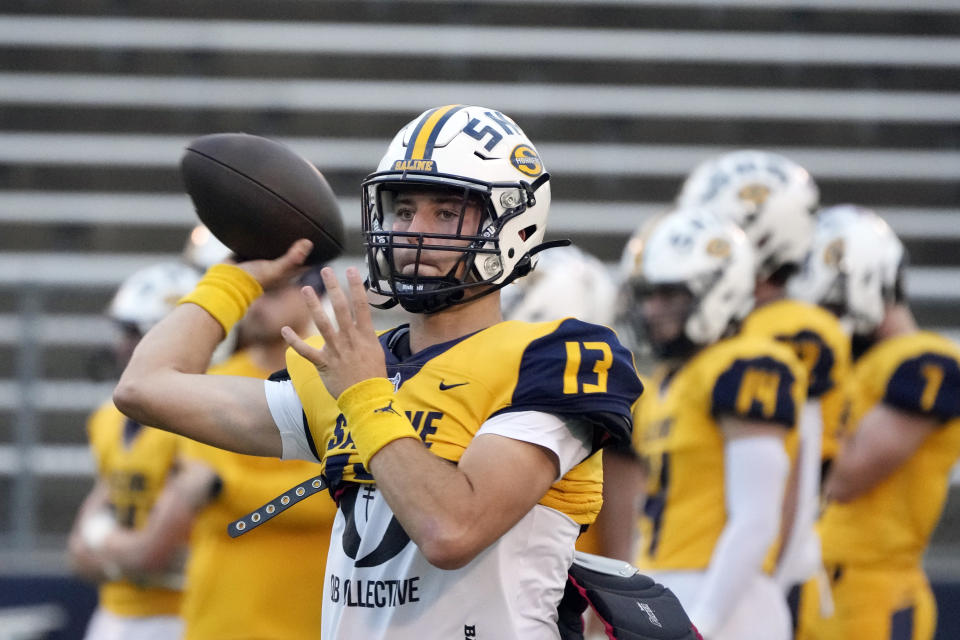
(98, 98)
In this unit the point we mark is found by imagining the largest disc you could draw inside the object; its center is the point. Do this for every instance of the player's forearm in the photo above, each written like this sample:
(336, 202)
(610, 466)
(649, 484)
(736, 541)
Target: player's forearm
(433, 500)
(853, 474)
(622, 490)
(855, 470)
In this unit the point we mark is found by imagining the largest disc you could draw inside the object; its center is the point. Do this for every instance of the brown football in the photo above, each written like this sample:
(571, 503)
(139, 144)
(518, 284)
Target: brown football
(257, 196)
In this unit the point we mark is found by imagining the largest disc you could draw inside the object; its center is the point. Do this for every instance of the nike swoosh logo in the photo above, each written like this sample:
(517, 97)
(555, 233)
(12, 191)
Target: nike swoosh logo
(444, 387)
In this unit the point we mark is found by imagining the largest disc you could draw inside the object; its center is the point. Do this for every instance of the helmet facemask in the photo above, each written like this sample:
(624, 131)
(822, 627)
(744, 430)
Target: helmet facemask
(457, 259)
(662, 328)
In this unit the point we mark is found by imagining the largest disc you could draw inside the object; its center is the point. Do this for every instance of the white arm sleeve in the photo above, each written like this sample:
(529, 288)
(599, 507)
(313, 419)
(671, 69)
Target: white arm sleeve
(287, 412)
(569, 439)
(755, 476)
(801, 556)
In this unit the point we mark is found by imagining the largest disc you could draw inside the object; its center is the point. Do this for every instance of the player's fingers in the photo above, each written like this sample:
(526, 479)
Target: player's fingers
(296, 254)
(299, 345)
(358, 296)
(320, 317)
(291, 263)
(338, 300)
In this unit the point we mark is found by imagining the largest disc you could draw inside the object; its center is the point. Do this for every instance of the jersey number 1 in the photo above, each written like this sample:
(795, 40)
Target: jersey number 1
(571, 373)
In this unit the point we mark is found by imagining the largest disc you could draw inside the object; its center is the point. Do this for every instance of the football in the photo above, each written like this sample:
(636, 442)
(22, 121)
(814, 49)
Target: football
(257, 196)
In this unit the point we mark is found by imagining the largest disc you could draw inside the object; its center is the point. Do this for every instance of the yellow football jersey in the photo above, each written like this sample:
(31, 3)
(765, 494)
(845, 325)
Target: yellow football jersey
(449, 390)
(678, 435)
(823, 348)
(267, 584)
(134, 461)
(891, 525)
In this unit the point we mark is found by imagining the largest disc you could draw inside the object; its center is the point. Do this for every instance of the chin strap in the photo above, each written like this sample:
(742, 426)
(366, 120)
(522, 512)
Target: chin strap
(525, 264)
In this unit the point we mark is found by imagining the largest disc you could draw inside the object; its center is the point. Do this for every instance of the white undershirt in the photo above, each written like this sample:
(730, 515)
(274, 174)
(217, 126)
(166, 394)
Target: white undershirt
(569, 440)
(510, 591)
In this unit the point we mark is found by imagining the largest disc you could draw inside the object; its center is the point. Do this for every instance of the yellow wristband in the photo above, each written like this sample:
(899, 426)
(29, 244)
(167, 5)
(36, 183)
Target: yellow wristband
(225, 292)
(373, 420)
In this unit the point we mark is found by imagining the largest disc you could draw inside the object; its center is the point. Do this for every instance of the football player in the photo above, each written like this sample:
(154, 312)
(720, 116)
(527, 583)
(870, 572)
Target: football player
(461, 449)
(887, 486)
(139, 595)
(711, 427)
(773, 199)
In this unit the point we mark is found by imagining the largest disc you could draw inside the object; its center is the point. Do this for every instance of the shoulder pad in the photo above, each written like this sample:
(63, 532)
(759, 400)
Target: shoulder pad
(817, 357)
(928, 383)
(815, 335)
(756, 388)
(580, 369)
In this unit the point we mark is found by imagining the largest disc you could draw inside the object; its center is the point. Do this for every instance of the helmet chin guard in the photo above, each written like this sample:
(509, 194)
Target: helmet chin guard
(495, 199)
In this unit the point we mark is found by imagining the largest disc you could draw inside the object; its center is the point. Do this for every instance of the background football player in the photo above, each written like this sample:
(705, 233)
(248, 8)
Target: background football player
(139, 595)
(888, 484)
(471, 438)
(712, 425)
(773, 199)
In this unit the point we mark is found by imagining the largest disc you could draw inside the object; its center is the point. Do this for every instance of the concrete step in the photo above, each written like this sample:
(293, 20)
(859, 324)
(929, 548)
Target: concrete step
(250, 64)
(508, 45)
(758, 132)
(869, 16)
(400, 98)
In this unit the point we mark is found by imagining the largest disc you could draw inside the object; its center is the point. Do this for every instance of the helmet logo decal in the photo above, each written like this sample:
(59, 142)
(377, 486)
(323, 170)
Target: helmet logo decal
(833, 253)
(754, 193)
(718, 248)
(526, 160)
(425, 134)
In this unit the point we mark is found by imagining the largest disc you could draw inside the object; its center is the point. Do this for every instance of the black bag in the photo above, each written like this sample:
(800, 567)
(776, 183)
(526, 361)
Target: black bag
(630, 605)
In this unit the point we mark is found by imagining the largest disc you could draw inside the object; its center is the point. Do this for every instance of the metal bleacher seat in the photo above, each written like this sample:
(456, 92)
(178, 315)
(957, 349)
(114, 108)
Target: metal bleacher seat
(98, 98)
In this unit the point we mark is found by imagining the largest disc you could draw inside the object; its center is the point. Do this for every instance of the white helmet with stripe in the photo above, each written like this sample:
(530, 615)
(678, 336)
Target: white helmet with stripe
(854, 267)
(481, 158)
(770, 197)
(695, 254)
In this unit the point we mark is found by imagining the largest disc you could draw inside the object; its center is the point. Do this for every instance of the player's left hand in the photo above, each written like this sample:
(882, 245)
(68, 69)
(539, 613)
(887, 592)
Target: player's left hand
(352, 351)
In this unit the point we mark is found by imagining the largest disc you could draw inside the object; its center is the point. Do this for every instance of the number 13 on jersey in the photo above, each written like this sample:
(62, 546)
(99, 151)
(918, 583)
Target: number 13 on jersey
(593, 381)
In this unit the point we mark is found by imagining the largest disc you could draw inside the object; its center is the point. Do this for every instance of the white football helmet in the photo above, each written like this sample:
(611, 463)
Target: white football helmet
(566, 283)
(203, 250)
(695, 251)
(854, 267)
(151, 293)
(770, 197)
(480, 156)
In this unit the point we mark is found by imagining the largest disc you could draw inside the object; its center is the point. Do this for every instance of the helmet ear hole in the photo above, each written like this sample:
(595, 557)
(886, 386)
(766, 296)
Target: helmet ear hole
(527, 232)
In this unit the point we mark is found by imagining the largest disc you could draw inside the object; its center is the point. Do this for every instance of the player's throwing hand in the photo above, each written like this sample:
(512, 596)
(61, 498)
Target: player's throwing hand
(352, 352)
